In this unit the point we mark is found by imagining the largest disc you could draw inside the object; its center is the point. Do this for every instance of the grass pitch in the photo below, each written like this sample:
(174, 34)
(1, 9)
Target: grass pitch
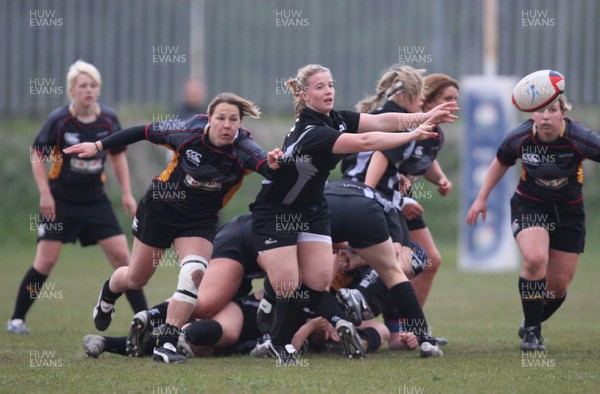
(479, 313)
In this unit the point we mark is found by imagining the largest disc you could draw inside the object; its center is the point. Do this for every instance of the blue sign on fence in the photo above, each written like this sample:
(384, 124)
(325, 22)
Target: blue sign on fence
(488, 115)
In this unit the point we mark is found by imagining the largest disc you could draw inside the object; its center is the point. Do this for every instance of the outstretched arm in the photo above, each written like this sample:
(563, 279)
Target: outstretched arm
(492, 177)
(376, 140)
(121, 138)
(394, 121)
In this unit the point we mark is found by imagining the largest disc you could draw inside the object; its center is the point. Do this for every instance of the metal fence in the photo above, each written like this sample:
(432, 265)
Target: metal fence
(146, 49)
(129, 42)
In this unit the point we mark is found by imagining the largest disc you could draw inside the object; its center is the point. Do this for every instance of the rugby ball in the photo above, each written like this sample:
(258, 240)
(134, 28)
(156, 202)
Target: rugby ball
(537, 90)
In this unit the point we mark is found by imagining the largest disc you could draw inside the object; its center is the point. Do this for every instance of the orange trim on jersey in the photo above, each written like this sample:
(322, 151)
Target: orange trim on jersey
(57, 162)
(229, 195)
(166, 174)
(580, 173)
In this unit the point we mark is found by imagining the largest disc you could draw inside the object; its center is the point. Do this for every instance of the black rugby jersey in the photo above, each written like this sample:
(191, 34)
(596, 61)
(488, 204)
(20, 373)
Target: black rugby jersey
(550, 172)
(422, 155)
(355, 165)
(202, 177)
(308, 158)
(72, 178)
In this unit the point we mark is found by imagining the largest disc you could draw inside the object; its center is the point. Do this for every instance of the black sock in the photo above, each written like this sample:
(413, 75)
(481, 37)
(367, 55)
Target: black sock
(551, 305)
(27, 293)
(205, 332)
(290, 317)
(268, 292)
(108, 295)
(158, 314)
(532, 298)
(116, 345)
(327, 306)
(372, 338)
(137, 300)
(167, 333)
(268, 314)
(405, 300)
(321, 302)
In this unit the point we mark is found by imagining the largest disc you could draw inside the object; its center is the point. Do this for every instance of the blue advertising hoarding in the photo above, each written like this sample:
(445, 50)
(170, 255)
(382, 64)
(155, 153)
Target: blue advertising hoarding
(488, 115)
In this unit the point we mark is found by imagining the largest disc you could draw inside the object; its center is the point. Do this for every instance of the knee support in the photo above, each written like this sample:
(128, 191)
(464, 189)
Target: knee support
(187, 290)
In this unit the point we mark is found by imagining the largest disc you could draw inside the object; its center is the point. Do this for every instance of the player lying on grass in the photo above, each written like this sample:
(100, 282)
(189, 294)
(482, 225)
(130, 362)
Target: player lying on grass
(364, 296)
(351, 203)
(233, 330)
(229, 275)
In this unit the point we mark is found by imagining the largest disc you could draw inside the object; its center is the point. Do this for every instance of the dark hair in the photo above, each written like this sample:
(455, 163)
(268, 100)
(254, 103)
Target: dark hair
(435, 85)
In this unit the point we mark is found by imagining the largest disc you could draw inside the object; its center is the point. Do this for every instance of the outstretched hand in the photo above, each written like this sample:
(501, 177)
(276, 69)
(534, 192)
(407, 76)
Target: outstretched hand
(83, 149)
(423, 132)
(443, 113)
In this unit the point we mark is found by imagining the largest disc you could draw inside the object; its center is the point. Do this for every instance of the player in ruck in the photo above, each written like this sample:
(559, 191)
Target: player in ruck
(290, 216)
(212, 154)
(402, 89)
(353, 202)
